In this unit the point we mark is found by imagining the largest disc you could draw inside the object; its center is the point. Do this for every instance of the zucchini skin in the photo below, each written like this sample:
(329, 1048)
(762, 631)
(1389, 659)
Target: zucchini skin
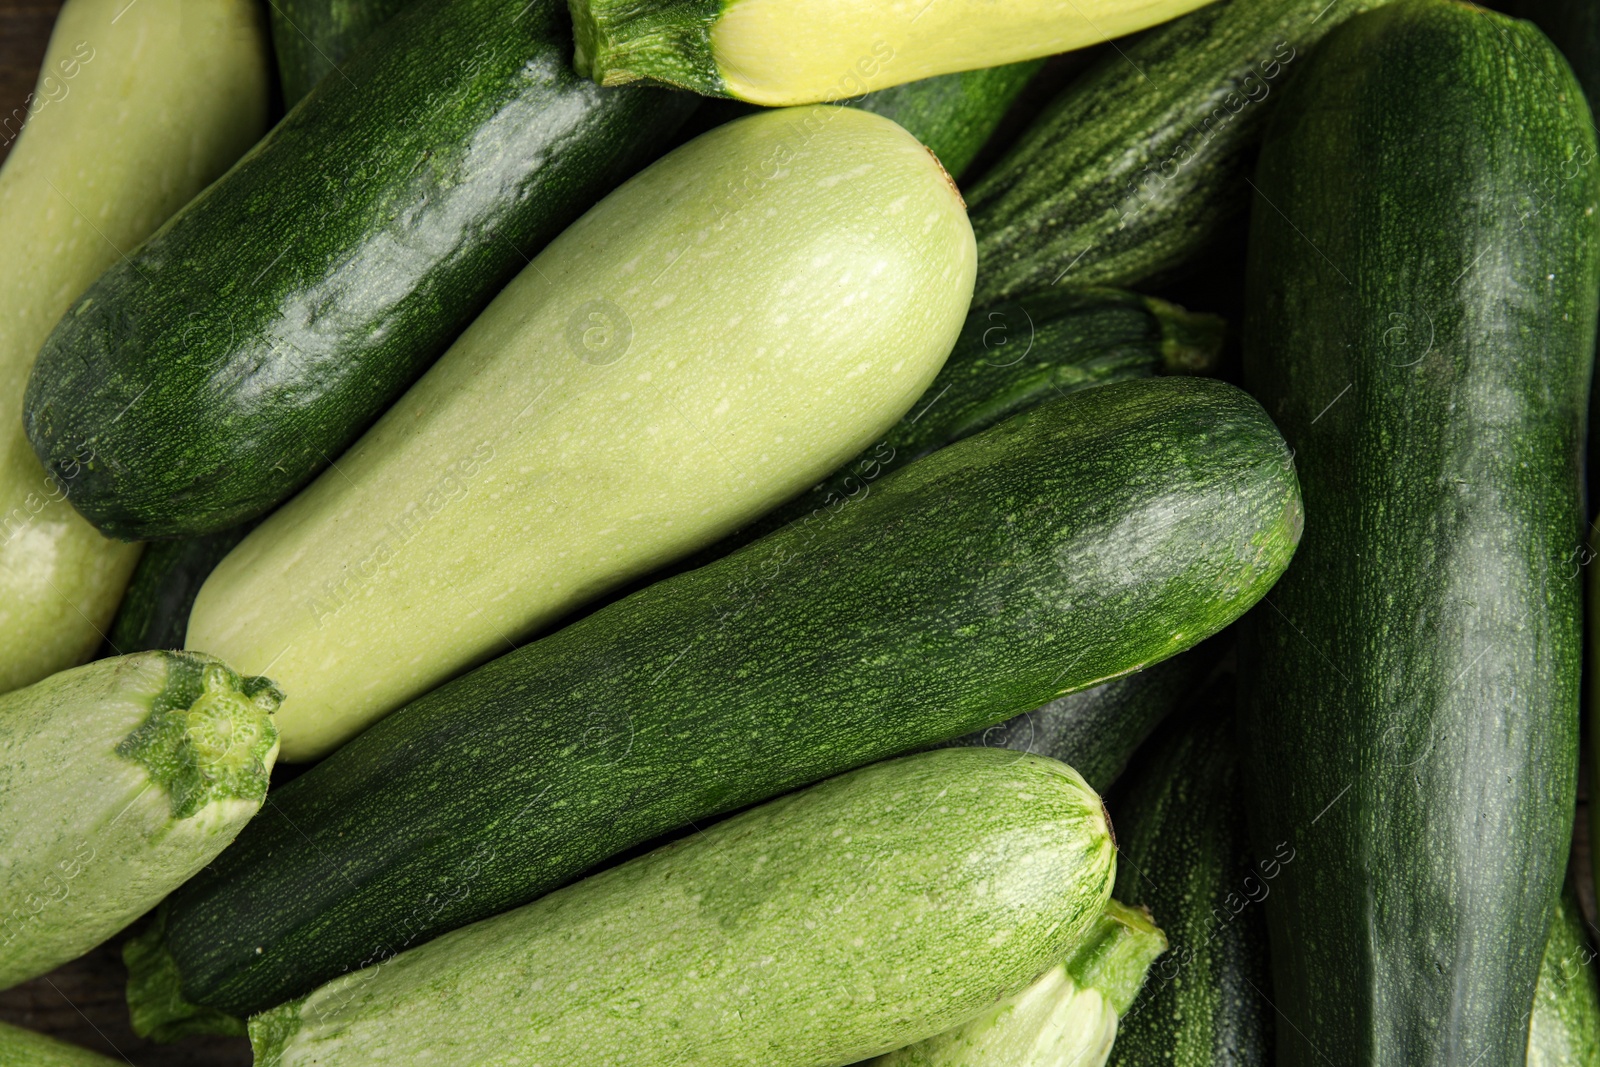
(931, 608)
(1412, 690)
(24, 1048)
(953, 114)
(164, 97)
(383, 212)
(1010, 358)
(1565, 1028)
(1096, 731)
(1140, 162)
(155, 609)
(1180, 818)
(977, 871)
(313, 37)
(119, 780)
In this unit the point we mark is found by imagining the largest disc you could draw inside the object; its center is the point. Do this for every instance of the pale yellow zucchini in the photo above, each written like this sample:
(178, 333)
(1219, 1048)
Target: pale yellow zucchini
(139, 106)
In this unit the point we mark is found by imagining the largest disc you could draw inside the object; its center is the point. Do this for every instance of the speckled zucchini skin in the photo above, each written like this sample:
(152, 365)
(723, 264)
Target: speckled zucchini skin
(1423, 331)
(1140, 161)
(312, 37)
(238, 351)
(1565, 1029)
(870, 911)
(1080, 541)
(1180, 822)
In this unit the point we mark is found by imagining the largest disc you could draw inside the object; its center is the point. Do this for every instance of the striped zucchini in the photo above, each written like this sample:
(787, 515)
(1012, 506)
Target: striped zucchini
(119, 780)
(1066, 1018)
(953, 114)
(872, 910)
(1423, 330)
(137, 109)
(1140, 162)
(1077, 542)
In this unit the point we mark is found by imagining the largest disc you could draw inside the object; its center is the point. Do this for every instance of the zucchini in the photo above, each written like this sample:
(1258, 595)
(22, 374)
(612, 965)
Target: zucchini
(935, 606)
(1565, 1028)
(1574, 27)
(1007, 359)
(24, 1048)
(1423, 331)
(953, 114)
(119, 780)
(854, 917)
(775, 53)
(163, 98)
(1181, 827)
(1140, 162)
(1066, 1018)
(313, 37)
(1095, 731)
(217, 368)
(524, 407)
(155, 610)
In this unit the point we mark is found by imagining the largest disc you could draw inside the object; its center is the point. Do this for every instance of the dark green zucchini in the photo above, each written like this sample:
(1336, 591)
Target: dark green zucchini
(1074, 543)
(953, 114)
(1574, 27)
(313, 37)
(1184, 854)
(238, 351)
(1137, 165)
(155, 609)
(1424, 268)
(1096, 730)
(1565, 1028)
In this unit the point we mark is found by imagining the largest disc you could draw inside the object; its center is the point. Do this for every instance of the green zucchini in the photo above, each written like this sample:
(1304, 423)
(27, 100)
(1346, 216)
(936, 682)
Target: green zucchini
(1423, 331)
(1140, 162)
(155, 610)
(24, 1048)
(163, 97)
(867, 912)
(217, 368)
(1010, 358)
(1574, 27)
(1157, 509)
(1095, 731)
(1565, 1028)
(313, 37)
(1066, 1018)
(119, 780)
(773, 53)
(953, 114)
(823, 352)
(1181, 829)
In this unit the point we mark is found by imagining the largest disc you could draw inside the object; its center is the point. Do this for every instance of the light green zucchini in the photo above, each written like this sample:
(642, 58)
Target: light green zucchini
(1565, 1028)
(24, 1048)
(118, 781)
(729, 326)
(138, 108)
(1066, 1018)
(778, 53)
(874, 910)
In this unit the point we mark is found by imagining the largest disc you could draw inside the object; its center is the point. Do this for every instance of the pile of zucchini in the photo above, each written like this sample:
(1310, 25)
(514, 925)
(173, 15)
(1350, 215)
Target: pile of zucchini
(754, 562)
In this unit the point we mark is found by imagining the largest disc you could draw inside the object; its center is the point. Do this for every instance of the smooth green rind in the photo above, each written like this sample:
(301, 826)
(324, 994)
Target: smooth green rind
(1008, 359)
(953, 114)
(1097, 730)
(312, 37)
(1139, 162)
(1565, 1028)
(155, 610)
(24, 1048)
(869, 911)
(1081, 541)
(119, 780)
(673, 42)
(238, 351)
(160, 1012)
(1181, 829)
(1067, 1017)
(1423, 331)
